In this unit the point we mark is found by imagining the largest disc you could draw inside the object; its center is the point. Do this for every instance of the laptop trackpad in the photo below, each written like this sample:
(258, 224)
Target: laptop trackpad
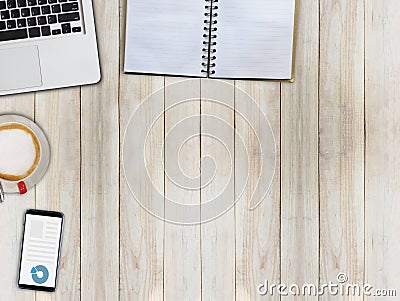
(20, 68)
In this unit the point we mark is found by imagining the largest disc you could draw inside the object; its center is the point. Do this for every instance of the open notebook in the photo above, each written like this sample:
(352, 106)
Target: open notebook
(246, 39)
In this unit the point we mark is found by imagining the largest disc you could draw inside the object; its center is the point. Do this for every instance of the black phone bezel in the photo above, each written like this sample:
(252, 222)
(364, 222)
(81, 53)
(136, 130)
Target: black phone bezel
(41, 213)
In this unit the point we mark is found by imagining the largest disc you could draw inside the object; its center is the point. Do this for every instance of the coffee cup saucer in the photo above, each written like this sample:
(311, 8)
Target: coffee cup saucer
(44, 156)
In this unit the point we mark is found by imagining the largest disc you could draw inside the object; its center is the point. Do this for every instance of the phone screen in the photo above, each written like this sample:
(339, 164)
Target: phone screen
(40, 250)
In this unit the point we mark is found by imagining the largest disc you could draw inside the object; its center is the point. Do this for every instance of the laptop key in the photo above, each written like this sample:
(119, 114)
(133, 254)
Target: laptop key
(46, 31)
(35, 11)
(46, 10)
(3, 5)
(32, 2)
(56, 32)
(56, 8)
(5, 15)
(32, 21)
(11, 24)
(15, 14)
(11, 4)
(51, 19)
(21, 3)
(42, 20)
(76, 29)
(2, 25)
(42, 2)
(34, 32)
(10, 35)
(25, 12)
(21, 23)
(67, 7)
(66, 28)
(69, 17)
(52, 1)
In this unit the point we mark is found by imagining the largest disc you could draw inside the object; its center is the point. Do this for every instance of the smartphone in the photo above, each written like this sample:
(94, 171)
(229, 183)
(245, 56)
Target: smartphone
(40, 251)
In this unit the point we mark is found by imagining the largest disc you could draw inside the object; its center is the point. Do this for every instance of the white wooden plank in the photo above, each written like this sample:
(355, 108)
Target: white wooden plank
(300, 210)
(182, 262)
(258, 231)
(58, 113)
(12, 213)
(382, 186)
(100, 165)
(218, 235)
(142, 235)
(342, 142)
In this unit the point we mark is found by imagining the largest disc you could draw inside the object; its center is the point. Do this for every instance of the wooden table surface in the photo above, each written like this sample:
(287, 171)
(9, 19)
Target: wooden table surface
(334, 201)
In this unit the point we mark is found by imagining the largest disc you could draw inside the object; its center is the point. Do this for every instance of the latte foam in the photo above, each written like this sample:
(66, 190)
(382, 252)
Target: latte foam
(19, 152)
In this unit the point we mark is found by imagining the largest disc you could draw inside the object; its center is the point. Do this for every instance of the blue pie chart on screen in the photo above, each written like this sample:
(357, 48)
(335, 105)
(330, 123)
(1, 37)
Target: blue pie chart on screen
(40, 274)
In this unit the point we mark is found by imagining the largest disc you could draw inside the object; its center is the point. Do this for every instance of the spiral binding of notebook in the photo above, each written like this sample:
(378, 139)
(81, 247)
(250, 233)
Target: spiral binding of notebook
(210, 34)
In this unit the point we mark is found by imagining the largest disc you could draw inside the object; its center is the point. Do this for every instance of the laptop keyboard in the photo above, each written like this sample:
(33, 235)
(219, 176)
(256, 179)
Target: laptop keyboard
(24, 19)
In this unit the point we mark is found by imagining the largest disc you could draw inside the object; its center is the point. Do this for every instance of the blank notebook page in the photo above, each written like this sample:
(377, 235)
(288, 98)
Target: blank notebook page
(255, 39)
(164, 37)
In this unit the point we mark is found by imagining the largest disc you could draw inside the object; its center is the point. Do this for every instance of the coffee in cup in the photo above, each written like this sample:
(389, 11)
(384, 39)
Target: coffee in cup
(19, 152)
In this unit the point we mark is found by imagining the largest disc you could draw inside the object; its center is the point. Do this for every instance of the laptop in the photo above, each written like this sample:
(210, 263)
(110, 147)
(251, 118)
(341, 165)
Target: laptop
(47, 44)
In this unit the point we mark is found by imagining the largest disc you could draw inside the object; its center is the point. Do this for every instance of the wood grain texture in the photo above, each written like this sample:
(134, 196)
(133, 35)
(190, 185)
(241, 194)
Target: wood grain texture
(141, 234)
(308, 229)
(58, 113)
(299, 144)
(258, 231)
(341, 160)
(12, 212)
(182, 261)
(100, 165)
(218, 235)
(382, 179)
